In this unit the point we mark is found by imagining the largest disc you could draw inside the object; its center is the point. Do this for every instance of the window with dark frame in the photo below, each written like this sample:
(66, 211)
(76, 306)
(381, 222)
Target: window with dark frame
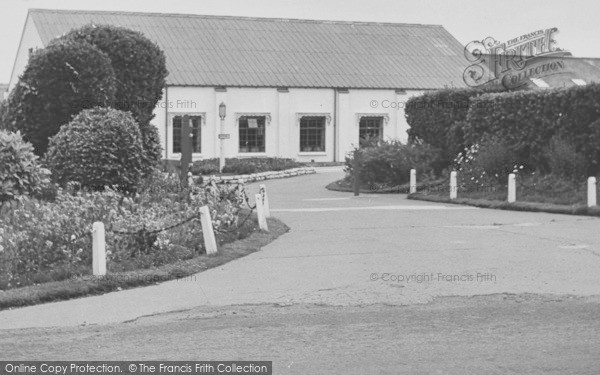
(312, 134)
(195, 127)
(252, 133)
(371, 127)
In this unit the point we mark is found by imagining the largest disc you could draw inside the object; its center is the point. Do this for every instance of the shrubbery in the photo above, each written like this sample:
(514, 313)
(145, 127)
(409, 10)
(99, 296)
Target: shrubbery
(527, 121)
(436, 118)
(47, 241)
(58, 82)
(140, 70)
(20, 173)
(390, 162)
(100, 147)
(485, 166)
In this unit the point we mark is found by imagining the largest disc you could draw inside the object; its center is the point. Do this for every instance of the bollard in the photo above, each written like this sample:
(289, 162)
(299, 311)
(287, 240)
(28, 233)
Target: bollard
(265, 200)
(512, 188)
(591, 192)
(98, 249)
(453, 185)
(413, 181)
(207, 231)
(260, 212)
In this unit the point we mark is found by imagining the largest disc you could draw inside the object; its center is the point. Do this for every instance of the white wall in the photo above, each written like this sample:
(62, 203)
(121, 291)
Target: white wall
(30, 39)
(284, 108)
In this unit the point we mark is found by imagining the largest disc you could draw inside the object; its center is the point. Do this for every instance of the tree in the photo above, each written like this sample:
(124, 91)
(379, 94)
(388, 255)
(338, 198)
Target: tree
(140, 68)
(58, 82)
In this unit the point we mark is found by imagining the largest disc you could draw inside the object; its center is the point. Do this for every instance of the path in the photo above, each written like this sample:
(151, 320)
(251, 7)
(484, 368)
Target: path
(372, 249)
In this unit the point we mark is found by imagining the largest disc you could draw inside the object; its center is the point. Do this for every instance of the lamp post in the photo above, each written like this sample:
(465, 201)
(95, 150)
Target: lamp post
(222, 113)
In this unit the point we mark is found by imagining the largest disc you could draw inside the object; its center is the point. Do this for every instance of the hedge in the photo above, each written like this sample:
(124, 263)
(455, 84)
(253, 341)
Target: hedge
(529, 120)
(436, 119)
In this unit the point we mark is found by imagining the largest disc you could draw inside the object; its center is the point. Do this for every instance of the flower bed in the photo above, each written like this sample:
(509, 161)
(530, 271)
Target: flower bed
(42, 241)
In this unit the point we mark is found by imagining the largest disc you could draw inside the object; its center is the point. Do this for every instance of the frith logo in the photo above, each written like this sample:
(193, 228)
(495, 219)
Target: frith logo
(512, 63)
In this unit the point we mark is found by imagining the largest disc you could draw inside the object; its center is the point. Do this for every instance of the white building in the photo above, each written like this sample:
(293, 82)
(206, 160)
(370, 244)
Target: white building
(292, 88)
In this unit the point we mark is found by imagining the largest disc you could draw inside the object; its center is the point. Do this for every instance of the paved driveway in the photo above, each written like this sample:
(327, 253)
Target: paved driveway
(384, 249)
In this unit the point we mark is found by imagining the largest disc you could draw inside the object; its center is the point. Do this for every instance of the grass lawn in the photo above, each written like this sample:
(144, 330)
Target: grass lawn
(566, 199)
(236, 245)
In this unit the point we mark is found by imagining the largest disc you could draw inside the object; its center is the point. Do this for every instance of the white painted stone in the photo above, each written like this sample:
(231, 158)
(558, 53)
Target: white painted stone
(512, 188)
(260, 212)
(98, 249)
(591, 192)
(453, 185)
(207, 231)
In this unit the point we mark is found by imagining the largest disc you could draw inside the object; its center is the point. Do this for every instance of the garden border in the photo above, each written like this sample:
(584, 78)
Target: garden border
(253, 177)
(88, 286)
(580, 209)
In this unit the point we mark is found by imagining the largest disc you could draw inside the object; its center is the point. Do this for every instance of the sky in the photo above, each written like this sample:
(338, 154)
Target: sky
(468, 20)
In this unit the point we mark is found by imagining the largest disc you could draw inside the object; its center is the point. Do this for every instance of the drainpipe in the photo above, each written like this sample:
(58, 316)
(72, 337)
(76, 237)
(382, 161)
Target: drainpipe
(335, 110)
(166, 123)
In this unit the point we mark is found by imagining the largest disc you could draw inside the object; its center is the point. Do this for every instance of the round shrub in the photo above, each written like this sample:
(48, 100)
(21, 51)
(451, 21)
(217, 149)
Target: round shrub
(100, 147)
(20, 173)
(140, 69)
(58, 82)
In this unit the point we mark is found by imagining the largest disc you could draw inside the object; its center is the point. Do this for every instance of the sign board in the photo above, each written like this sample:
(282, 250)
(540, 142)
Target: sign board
(224, 136)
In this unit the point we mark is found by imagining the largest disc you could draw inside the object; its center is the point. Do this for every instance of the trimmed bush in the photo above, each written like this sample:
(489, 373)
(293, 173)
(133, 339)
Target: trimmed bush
(527, 121)
(140, 68)
(100, 147)
(58, 82)
(20, 173)
(436, 118)
(390, 162)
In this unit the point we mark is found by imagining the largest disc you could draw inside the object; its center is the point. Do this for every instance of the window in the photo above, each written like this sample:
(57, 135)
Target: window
(252, 133)
(370, 127)
(540, 83)
(312, 134)
(195, 122)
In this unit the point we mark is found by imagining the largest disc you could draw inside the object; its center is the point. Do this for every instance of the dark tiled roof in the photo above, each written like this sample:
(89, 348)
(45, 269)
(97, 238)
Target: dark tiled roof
(262, 52)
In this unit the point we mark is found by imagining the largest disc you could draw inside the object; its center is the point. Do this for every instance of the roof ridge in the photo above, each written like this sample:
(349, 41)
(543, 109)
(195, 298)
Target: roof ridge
(273, 19)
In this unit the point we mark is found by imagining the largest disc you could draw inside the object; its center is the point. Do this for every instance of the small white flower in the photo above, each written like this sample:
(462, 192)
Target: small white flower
(72, 237)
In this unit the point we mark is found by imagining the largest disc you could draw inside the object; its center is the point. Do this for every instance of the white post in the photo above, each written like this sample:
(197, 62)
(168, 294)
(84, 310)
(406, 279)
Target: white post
(98, 249)
(265, 200)
(260, 212)
(207, 231)
(453, 185)
(512, 188)
(413, 181)
(591, 193)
